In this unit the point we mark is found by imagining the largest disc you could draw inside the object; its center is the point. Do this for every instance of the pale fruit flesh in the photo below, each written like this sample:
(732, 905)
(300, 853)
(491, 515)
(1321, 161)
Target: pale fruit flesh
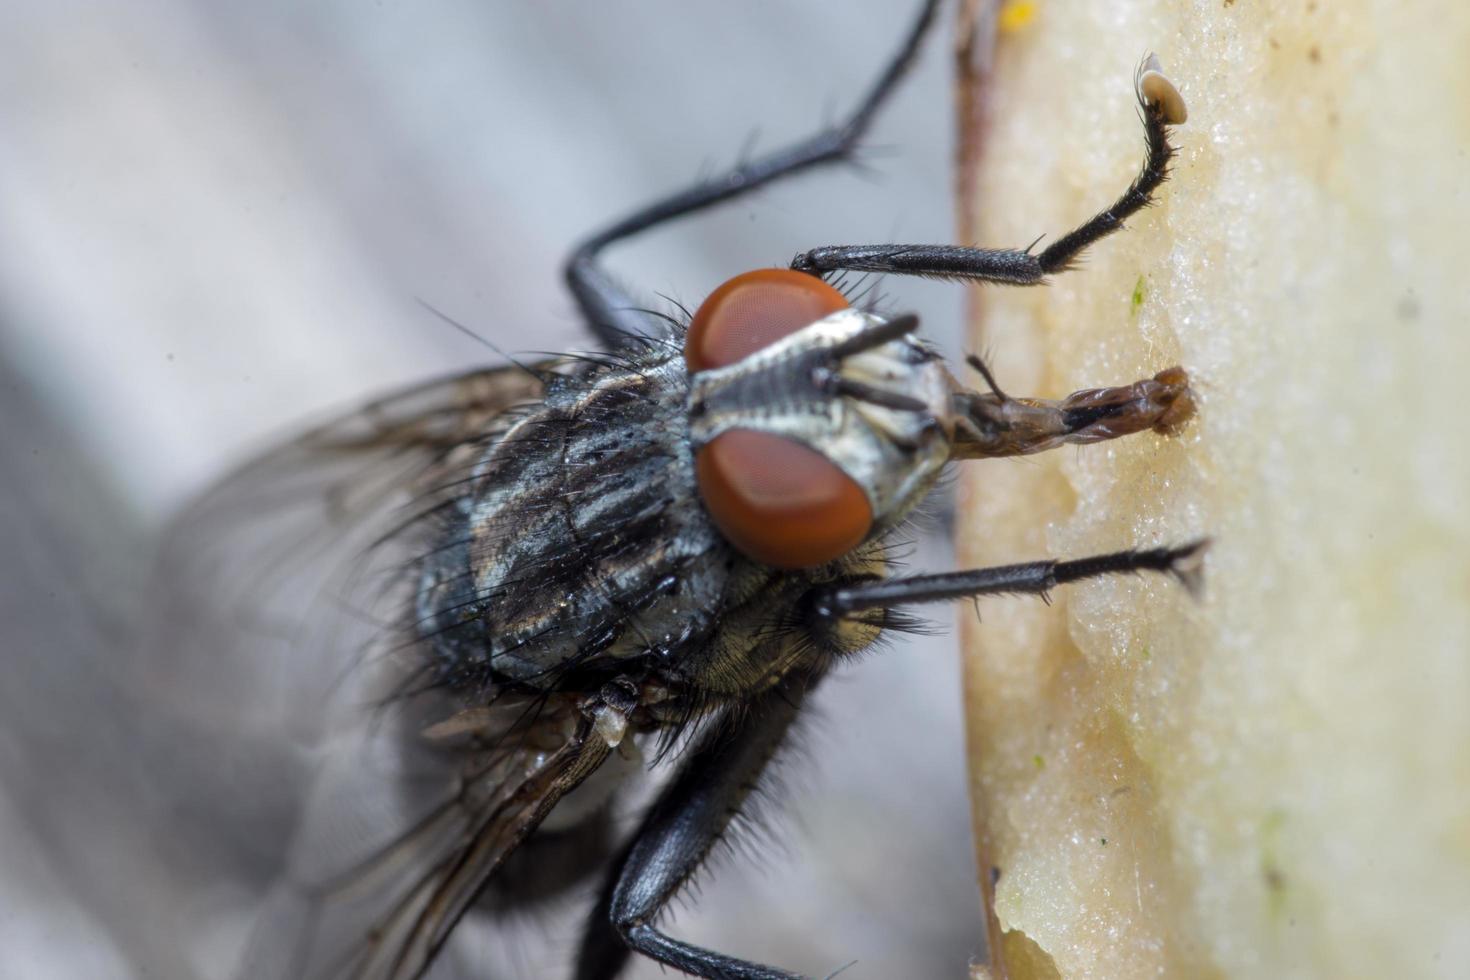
(1273, 781)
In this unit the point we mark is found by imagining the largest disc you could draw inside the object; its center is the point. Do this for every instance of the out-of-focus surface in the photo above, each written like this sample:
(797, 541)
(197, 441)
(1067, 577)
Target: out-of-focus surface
(218, 219)
(1274, 782)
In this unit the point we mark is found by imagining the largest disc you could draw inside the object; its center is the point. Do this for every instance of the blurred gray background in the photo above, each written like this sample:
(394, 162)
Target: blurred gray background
(217, 219)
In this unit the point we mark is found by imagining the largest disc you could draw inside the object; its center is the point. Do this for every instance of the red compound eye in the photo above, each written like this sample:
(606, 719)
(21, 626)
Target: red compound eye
(755, 310)
(780, 502)
(774, 499)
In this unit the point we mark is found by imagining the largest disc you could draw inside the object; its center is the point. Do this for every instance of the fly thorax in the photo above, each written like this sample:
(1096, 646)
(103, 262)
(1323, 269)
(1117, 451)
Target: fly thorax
(881, 413)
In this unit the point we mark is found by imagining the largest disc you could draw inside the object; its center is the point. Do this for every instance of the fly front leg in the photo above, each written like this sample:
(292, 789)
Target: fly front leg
(1161, 107)
(609, 312)
(676, 836)
(834, 602)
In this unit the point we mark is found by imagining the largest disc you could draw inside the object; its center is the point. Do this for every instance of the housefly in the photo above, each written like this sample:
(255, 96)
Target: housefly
(479, 605)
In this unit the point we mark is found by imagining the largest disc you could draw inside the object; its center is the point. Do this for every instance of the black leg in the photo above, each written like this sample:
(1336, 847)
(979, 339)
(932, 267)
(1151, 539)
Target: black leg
(1034, 578)
(676, 836)
(609, 311)
(1161, 108)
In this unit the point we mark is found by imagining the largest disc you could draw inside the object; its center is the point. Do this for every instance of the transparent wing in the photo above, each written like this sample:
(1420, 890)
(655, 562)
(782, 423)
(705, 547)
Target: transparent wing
(396, 844)
(271, 673)
(265, 582)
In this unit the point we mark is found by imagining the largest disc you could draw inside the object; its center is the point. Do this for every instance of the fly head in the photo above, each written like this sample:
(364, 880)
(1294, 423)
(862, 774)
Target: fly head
(815, 426)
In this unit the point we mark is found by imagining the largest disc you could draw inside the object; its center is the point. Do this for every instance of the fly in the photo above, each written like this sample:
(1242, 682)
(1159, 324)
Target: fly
(654, 552)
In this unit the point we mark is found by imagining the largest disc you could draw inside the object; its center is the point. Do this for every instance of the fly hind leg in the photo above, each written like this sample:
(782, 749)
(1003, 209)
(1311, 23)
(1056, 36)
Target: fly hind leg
(610, 314)
(676, 836)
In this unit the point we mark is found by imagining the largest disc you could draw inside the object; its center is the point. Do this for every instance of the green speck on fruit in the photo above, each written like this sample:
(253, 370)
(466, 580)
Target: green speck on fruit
(1148, 654)
(1136, 302)
(1104, 841)
(1038, 761)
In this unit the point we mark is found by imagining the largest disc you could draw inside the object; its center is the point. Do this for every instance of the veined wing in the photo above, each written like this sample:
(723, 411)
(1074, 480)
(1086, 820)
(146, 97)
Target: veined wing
(271, 585)
(278, 595)
(358, 904)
